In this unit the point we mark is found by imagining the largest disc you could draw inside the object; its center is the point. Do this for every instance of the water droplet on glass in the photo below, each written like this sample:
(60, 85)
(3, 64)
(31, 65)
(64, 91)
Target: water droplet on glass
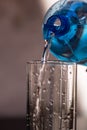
(55, 114)
(34, 115)
(50, 125)
(63, 94)
(51, 103)
(27, 124)
(54, 85)
(37, 74)
(44, 90)
(34, 94)
(68, 117)
(52, 69)
(64, 103)
(51, 115)
(47, 108)
(33, 74)
(49, 81)
(60, 117)
(43, 83)
(65, 120)
(64, 67)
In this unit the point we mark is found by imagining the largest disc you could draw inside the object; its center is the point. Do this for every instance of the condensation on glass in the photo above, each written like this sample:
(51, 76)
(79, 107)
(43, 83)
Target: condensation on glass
(51, 95)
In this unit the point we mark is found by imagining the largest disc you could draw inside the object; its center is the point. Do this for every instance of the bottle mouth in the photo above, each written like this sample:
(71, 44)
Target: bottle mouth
(57, 25)
(57, 22)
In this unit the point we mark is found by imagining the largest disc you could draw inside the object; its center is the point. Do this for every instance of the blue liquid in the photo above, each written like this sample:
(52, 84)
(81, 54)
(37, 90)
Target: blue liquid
(66, 31)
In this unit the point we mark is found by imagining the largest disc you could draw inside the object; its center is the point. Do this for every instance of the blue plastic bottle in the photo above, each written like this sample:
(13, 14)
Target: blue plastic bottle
(65, 29)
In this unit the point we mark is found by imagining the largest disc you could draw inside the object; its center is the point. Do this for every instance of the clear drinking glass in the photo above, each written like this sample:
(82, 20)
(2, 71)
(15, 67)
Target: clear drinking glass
(51, 95)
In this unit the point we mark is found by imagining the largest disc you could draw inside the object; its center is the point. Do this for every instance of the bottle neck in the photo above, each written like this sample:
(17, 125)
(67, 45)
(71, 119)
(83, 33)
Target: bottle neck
(63, 26)
(57, 25)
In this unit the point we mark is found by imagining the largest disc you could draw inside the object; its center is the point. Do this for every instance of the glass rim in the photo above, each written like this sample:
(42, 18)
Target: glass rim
(50, 62)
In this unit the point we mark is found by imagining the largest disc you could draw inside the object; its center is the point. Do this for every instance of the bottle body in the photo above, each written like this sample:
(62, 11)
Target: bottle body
(65, 29)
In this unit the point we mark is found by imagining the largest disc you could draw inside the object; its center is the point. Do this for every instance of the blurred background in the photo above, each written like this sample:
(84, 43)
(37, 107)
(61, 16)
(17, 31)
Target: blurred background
(20, 41)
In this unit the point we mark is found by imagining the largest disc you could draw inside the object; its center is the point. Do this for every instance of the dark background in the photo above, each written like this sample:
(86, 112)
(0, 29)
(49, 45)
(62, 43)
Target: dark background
(20, 41)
